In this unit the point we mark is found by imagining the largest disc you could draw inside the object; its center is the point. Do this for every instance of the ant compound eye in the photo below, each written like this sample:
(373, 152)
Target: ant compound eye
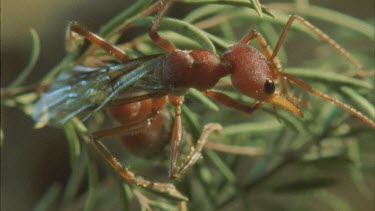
(269, 87)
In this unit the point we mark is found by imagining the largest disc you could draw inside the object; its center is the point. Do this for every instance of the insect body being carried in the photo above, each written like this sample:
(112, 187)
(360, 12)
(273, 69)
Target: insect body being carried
(137, 90)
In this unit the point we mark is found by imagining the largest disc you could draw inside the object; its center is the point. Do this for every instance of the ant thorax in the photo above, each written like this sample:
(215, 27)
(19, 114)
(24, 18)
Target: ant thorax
(199, 69)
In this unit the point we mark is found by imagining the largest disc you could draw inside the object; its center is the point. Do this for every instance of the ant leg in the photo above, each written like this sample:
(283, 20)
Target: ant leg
(125, 26)
(176, 172)
(318, 32)
(177, 102)
(229, 102)
(164, 188)
(154, 35)
(74, 27)
(124, 129)
(195, 154)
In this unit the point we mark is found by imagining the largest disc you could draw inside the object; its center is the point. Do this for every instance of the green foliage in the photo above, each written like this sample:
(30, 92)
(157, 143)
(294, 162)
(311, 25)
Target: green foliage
(312, 156)
(32, 61)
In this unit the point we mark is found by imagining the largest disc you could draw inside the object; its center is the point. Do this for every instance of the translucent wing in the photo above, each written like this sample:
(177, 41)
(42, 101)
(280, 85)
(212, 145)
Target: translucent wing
(90, 89)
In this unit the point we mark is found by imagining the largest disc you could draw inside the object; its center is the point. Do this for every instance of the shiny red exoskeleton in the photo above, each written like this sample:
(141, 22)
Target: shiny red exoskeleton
(137, 90)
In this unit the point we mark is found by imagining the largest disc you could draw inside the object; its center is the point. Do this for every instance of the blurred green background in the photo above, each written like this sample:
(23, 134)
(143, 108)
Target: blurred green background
(32, 160)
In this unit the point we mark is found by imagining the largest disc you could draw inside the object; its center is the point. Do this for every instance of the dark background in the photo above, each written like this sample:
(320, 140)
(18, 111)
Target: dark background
(31, 160)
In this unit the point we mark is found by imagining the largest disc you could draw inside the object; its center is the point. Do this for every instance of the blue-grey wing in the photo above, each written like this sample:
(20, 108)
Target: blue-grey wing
(83, 90)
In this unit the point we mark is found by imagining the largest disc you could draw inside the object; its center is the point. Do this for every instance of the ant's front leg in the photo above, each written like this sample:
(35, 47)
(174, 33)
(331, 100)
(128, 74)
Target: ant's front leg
(74, 28)
(229, 102)
(154, 35)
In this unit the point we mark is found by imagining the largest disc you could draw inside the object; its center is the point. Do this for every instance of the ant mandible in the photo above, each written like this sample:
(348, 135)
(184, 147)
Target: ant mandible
(253, 73)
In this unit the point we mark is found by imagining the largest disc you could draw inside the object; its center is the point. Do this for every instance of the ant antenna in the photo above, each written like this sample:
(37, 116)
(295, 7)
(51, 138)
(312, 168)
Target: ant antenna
(330, 99)
(319, 33)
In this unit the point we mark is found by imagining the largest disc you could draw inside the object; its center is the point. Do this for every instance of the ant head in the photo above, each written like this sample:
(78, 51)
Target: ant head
(254, 76)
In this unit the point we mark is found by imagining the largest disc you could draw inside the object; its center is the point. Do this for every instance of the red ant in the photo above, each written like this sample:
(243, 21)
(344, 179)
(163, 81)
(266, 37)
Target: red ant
(137, 90)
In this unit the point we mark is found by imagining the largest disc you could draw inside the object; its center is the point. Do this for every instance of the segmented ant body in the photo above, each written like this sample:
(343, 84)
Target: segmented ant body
(137, 90)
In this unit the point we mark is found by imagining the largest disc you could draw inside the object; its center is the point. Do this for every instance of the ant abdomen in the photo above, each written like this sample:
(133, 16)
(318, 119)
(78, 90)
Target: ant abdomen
(125, 113)
(149, 128)
(151, 140)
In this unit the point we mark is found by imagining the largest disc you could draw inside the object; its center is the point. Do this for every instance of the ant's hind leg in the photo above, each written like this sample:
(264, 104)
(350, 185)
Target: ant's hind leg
(154, 35)
(74, 29)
